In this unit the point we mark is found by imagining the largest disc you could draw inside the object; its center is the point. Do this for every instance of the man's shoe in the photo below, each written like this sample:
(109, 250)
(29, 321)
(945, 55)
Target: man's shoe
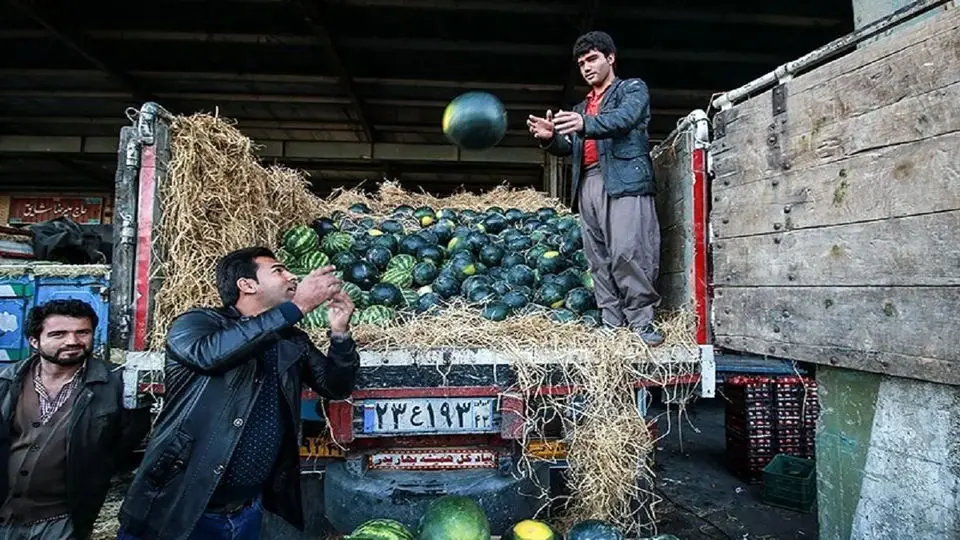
(650, 335)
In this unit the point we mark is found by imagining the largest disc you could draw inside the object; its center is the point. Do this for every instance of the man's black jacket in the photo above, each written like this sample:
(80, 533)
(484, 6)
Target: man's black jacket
(102, 435)
(623, 144)
(211, 380)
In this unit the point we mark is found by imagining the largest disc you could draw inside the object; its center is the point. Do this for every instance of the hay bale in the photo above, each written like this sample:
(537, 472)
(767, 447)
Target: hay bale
(218, 197)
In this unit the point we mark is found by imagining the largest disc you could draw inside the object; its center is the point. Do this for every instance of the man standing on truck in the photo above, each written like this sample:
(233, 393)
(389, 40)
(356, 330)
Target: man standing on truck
(63, 428)
(612, 179)
(226, 444)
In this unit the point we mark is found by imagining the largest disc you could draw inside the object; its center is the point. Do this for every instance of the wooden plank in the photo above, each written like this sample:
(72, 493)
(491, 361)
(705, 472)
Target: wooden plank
(910, 251)
(673, 170)
(903, 331)
(916, 178)
(828, 120)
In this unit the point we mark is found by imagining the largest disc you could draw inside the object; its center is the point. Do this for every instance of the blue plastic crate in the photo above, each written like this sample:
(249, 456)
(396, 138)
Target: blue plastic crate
(20, 293)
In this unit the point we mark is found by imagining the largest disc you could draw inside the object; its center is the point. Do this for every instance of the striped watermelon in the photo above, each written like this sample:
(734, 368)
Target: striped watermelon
(380, 529)
(300, 240)
(411, 298)
(377, 315)
(318, 318)
(355, 294)
(336, 242)
(402, 262)
(313, 260)
(398, 277)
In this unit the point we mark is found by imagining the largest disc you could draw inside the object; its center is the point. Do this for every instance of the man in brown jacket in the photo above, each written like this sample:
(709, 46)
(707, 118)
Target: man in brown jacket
(63, 428)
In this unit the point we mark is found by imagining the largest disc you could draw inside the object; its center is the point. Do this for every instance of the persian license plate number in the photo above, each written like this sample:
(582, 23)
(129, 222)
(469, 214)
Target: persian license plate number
(429, 415)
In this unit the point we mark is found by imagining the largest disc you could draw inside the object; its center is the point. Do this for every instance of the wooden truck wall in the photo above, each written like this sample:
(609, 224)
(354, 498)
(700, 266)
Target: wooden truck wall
(836, 208)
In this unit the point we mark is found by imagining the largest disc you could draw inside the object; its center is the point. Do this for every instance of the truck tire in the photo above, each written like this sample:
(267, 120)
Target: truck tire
(350, 498)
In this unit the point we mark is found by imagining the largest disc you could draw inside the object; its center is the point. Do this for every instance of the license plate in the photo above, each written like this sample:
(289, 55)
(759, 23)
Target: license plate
(429, 415)
(432, 459)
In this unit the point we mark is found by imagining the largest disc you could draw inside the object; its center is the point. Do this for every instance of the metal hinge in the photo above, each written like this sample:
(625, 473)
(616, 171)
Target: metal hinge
(779, 99)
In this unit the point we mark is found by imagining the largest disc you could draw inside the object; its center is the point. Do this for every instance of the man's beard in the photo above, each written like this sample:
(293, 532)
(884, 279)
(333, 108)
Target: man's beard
(66, 362)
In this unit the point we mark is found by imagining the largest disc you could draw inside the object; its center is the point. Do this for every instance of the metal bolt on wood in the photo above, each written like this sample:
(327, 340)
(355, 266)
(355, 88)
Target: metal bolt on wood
(776, 240)
(786, 209)
(775, 183)
(776, 329)
(777, 226)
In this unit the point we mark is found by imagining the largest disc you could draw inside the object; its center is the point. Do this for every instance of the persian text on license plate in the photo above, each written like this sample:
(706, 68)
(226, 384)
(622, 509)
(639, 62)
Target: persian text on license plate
(429, 415)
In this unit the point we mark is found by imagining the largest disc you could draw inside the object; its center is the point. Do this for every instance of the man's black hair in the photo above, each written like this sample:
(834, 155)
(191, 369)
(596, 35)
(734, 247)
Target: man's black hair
(238, 264)
(595, 40)
(77, 309)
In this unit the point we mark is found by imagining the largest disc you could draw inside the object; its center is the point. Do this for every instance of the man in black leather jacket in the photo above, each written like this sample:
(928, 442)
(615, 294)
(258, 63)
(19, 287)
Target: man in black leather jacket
(613, 182)
(226, 443)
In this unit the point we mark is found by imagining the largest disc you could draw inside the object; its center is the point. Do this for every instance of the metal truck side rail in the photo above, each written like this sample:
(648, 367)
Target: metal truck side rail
(819, 56)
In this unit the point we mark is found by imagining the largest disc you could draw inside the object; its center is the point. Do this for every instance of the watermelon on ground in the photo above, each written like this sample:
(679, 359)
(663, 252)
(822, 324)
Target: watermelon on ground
(530, 529)
(453, 517)
(380, 529)
(336, 242)
(594, 529)
(385, 294)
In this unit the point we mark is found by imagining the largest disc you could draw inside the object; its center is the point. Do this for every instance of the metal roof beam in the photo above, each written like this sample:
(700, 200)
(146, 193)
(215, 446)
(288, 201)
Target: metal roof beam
(79, 44)
(319, 80)
(283, 98)
(629, 12)
(314, 19)
(436, 45)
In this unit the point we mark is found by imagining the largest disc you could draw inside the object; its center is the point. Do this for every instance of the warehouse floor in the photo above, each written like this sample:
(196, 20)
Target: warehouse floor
(691, 471)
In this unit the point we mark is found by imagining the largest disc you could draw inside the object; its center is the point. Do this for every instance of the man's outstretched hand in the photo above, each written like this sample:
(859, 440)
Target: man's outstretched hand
(318, 287)
(541, 128)
(340, 309)
(567, 122)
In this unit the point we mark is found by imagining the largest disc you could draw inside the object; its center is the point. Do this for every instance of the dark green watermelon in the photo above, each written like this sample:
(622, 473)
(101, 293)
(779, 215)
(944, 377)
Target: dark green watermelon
(481, 294)
(474, 281)
(433, 254)
(411, 244)
(513, 215)
(550, 295)
(444, 230)
(563, 315)
(385, 294)
(446, 286)
(463, 267)
(546, 213)
(521, 274)
(323, 226)
(592, 318)
(430, 236)
(516, 299)
(497, 273)
(494, 223)
(379, 257)
(495, 311)
(491, 254)
(429, 301)
(344, 259)
(391, 226)
(454, 517)
(476, 240)
(388, 241)
(512, 259)
(362, 274)
(403, 211)
(594, 529)
(447, 213)
(580, 300)
(424, 273)
(359, 208)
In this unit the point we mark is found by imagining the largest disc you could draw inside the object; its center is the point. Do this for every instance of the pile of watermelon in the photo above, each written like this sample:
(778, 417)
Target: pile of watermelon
(457, 517)
(417, 260)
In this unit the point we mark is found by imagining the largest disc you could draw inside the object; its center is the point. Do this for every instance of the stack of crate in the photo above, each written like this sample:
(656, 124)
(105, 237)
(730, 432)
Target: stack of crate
(766, 416)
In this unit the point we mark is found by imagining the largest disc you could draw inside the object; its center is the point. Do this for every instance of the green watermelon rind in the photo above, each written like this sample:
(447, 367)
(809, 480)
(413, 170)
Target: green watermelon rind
(380, 529)
(450, 516)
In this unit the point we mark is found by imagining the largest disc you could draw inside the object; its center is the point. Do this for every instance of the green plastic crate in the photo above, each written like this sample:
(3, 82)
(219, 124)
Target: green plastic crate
(790, 482)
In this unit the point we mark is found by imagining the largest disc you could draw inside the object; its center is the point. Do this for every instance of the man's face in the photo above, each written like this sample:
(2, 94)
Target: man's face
(595, 67)
(274, 285)
(64, 340)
